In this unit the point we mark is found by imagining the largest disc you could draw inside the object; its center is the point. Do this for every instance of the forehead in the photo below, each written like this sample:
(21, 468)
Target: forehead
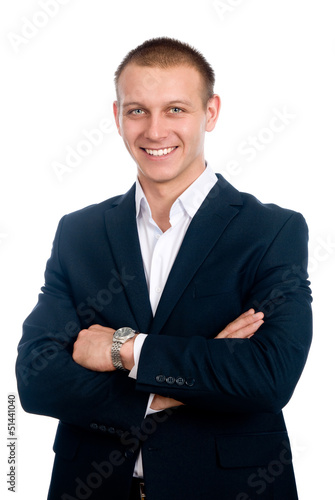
(138, 83)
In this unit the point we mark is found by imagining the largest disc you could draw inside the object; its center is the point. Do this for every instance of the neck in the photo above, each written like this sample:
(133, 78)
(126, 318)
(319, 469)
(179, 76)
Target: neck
(160, 204)
(162, 195)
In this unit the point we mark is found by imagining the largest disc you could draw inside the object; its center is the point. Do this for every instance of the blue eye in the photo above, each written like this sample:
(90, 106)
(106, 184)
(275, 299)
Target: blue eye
(136, 112)
(176, 110)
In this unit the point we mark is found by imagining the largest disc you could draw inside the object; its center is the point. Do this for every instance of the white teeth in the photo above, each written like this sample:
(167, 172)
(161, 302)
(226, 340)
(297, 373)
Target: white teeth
(159, 152)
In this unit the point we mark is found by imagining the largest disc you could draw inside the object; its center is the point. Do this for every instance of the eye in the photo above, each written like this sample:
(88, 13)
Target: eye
(175, 111)
(136, 112)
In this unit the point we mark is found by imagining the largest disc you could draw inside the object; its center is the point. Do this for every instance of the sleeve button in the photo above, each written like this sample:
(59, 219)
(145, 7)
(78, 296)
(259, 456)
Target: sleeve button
(180, 381)
(160, 378)
(170, 380)
(190, 382)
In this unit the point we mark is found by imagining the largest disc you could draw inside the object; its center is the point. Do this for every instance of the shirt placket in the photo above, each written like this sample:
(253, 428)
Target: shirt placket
(156, 271)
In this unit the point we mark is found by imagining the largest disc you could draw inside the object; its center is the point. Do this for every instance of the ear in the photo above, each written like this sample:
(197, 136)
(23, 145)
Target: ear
(116, 115)
(213, 110)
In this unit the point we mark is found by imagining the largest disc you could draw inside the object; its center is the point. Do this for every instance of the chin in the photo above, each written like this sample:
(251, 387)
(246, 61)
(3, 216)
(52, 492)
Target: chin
(158, 173)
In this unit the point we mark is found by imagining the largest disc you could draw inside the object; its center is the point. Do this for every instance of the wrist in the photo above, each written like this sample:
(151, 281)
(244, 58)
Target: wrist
(127, 353)
(121, 337)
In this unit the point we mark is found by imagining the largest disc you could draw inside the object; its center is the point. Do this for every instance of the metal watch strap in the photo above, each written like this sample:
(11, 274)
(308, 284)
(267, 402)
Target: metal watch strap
(116, 358)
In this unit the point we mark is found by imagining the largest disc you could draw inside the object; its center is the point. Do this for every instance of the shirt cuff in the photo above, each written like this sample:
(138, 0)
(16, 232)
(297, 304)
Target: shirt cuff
(139, 341)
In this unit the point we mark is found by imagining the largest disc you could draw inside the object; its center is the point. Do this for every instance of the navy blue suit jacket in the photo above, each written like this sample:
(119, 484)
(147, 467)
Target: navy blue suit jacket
(229, 441)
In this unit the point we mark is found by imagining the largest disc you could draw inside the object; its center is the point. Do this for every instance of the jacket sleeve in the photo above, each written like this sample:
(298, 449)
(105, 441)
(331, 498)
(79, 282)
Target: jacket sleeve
(49, 381)
(246, 375)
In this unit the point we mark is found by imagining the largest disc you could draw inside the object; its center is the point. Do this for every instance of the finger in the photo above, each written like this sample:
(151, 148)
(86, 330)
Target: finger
(247, 313)
(248, 327)
(247, 331)
(243, 321)
(99, 328)
(162, 403)
(82, 333)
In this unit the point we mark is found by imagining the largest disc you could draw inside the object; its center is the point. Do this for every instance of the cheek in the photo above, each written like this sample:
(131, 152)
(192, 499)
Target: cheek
(129, 133)
(194, 140)
(193, 134)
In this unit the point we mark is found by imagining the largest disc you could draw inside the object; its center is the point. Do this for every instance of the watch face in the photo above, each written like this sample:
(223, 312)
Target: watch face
(123, 334)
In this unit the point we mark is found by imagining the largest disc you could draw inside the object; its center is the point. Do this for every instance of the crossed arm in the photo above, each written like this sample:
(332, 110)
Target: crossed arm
(257, 374)
(92, 349)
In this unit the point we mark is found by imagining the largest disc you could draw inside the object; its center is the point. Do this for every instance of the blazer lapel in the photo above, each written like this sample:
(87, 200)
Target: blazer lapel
(216, 212)
(123, 238)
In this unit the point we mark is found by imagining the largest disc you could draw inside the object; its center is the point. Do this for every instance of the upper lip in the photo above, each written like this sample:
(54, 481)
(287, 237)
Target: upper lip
(158, 149)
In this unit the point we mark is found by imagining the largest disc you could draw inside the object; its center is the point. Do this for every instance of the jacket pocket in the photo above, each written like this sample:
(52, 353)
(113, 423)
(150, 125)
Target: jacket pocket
(251, 450)
(67, 441)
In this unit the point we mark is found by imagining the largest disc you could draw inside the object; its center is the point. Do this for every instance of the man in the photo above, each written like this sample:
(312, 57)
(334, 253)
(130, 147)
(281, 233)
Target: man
(175, 320)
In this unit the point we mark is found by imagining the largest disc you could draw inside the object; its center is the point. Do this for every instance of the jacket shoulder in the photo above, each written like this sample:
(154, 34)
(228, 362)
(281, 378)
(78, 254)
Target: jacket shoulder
(92, 216)
(255, 212)
(267, 214)
(94, 210)
(270, 214)
(250, 202)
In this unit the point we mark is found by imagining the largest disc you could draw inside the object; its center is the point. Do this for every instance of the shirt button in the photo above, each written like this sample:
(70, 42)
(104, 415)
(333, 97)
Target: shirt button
(158, 290)
(157, 236)
(129, 454)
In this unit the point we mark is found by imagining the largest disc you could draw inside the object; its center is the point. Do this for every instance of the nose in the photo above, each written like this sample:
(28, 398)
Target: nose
(156, 128)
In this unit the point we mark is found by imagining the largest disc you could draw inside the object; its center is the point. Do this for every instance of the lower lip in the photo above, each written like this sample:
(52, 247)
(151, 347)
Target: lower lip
(159, 158)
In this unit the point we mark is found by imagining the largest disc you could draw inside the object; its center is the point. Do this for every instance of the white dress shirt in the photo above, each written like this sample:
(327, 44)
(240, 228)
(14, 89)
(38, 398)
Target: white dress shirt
(159, 251)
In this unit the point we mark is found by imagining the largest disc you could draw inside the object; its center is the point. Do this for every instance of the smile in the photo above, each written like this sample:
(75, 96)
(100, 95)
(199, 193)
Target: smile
(159, 152)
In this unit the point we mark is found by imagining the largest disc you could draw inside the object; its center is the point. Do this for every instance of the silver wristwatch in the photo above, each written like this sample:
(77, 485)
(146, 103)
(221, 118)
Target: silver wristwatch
(120, 337)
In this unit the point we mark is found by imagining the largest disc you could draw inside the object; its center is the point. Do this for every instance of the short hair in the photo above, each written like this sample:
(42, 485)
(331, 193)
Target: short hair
(165, 53)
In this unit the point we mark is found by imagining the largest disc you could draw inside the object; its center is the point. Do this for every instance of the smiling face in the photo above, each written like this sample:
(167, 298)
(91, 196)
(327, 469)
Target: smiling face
(162, 118)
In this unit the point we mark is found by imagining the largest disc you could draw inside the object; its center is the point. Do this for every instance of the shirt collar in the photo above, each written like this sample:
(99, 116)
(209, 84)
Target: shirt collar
(190, 200)
(140, 199)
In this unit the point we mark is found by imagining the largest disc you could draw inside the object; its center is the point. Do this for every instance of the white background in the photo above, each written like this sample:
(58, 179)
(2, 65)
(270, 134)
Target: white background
(269, 56)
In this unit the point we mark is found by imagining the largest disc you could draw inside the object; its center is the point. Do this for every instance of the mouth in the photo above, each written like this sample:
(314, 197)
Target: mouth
(160, 152)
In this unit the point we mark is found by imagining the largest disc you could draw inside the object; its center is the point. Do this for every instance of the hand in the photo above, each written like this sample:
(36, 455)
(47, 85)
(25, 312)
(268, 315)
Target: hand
(245, 326)
(92, 349)
(162, 403)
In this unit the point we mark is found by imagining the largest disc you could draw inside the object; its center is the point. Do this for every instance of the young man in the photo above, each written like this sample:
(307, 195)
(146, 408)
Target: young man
(148, 342)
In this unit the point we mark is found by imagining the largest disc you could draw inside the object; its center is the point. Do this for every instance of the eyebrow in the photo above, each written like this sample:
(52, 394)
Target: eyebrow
(170, 103)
